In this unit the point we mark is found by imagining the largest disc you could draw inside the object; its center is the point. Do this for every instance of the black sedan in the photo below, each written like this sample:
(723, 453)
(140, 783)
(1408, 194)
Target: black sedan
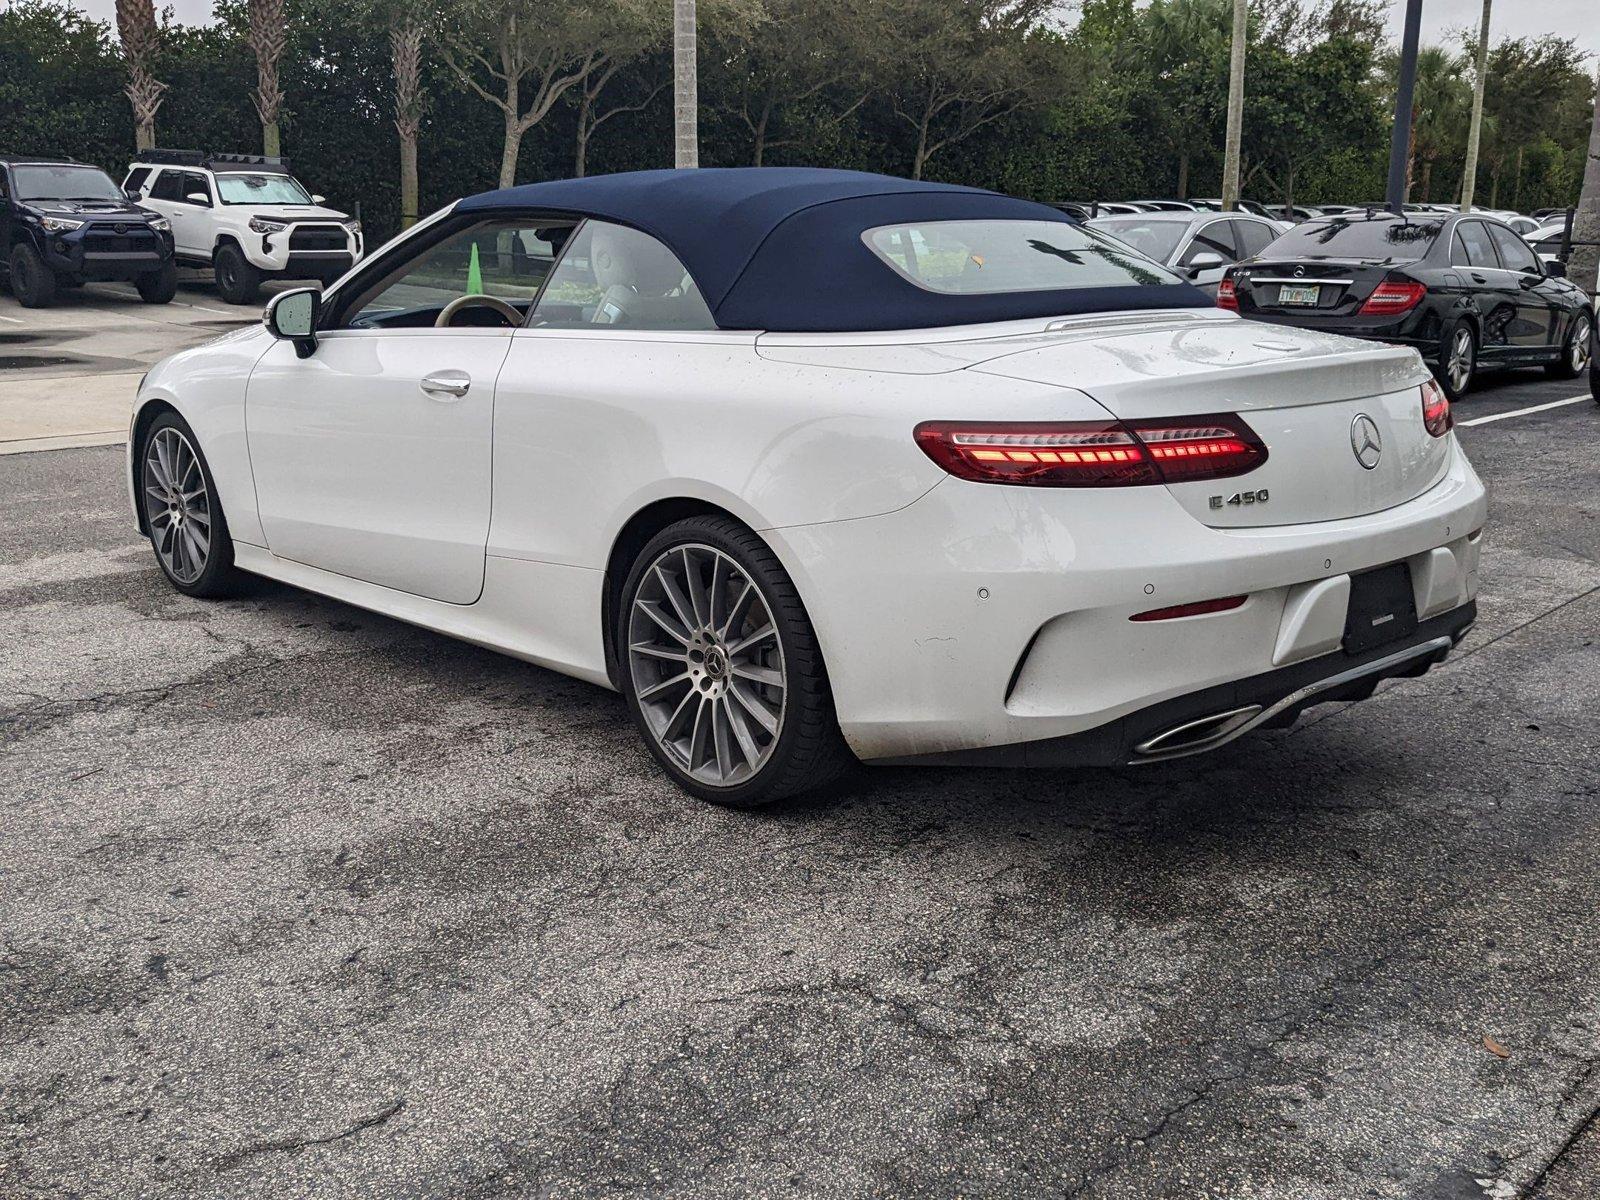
(1465, 291)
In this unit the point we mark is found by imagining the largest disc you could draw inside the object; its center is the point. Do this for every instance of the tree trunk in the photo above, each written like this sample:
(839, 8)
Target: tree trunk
(761, 131)
(1469, 177)
(1516, 184)
(1585, 264)
(136, 26)
(922, 150)
(1183, 173)
(268, 31)
(513, 147)
(1494, 186)
(1288, 194)
(270, 144)
(585, 112)
(1427, 179)
(685, 86)
(1230, 157)
(408, 178)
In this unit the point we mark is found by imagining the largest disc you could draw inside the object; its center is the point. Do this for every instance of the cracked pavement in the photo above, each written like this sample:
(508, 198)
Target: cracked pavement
(299, 901)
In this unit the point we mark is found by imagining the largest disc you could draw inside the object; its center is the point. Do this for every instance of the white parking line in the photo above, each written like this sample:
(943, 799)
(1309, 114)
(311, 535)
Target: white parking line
(1522, 412)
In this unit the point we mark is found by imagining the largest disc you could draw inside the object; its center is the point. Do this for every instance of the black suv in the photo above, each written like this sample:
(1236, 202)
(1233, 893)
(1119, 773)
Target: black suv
(63, 223)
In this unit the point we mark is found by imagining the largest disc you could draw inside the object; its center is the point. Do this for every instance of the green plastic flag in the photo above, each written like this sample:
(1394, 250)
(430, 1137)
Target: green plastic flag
(474, 274)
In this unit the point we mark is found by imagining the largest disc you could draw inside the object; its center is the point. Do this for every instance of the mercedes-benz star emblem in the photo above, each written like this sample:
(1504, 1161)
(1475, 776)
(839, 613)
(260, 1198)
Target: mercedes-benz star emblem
(1366, 441)
(1299, 272)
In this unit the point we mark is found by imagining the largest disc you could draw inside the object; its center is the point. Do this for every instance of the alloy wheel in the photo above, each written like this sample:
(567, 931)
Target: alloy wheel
(1459, 364)
(707, 665)
(177, 505)
(1581, 346)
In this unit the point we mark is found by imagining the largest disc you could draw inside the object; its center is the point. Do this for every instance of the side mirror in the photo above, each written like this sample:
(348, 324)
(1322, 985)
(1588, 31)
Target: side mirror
(199, 198)
(1206, 260)
(1555, 269)
(133, 194)
(319, 199)
(292, 316)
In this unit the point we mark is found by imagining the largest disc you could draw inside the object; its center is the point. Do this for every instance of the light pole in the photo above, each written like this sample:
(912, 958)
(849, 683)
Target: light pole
(1400, 140)
(685, 87)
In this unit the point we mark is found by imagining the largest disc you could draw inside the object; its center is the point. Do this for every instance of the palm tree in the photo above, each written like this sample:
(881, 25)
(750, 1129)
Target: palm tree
(405, 50)
(136, 26)
(1469, 176)
(1437, 107)
(269, 30)
(685, 86)
(1585, 265)
(1230, 157)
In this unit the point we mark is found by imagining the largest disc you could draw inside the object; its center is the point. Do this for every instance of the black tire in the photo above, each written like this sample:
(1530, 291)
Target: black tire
(1447, 345)
(158, 287)
(808, 750)
(32, 281)
(1576, 350)
(237, 281)
(218, 576)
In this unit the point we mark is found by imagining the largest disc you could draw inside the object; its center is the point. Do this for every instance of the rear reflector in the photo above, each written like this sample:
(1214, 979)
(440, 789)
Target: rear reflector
(1436, 415)
(1227, 295)
(1198, 609)
(1093, 453)
(1394, 296)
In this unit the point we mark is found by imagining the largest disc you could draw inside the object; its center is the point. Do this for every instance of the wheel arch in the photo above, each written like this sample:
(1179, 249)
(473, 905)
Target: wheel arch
(138, 431)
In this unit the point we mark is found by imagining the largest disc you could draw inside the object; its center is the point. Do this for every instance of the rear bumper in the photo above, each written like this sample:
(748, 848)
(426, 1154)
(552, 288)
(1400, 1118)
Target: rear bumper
(1420, 330)
(984, 617)
(1212, 717)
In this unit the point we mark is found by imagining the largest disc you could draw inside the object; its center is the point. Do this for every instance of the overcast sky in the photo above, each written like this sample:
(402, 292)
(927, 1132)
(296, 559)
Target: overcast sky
(1512, 18)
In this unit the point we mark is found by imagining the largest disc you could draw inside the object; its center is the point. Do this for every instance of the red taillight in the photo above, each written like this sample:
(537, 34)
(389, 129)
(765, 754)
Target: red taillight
(1227, 295)
(1198, 609)
(1436, 415)
(1093, 453)
(1392, 297)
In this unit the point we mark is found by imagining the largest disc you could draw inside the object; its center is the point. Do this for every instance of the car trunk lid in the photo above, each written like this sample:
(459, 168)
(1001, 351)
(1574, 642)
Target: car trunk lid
(1322, 288)
(1314, 399)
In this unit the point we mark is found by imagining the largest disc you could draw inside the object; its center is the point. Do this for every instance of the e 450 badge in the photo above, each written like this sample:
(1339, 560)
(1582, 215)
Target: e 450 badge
(1239, 499)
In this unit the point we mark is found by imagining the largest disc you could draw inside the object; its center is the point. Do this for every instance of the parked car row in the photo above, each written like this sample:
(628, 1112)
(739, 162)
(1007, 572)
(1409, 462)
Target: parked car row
(245, 217)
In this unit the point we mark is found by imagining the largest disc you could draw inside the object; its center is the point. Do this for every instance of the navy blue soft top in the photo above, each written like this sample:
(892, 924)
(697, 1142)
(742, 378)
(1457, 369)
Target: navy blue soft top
(780, 248)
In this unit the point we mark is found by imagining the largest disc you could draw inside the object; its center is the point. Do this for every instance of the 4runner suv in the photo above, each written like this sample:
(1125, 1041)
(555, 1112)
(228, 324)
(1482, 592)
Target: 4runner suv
(245, 217)
(63, 223)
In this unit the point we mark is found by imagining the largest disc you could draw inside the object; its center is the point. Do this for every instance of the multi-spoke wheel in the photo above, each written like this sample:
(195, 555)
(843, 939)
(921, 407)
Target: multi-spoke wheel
(1576, 352)
(722, 666)
(1458, 363)
(181, 512)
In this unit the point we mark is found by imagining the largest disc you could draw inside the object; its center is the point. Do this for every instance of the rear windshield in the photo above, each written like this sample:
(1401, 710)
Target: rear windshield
(260, 189)
(1153, 239)
(970, 258)
(1383, 241)
(42, 182)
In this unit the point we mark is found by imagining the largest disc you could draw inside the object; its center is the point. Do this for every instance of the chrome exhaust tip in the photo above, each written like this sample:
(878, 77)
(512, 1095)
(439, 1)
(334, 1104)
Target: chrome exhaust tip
(1199, 734)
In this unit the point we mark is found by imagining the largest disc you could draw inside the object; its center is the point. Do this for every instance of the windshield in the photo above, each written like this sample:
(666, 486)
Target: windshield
(260, 189)
(1387, 241)
(42, 182)
(1153, 239)
(968, 258)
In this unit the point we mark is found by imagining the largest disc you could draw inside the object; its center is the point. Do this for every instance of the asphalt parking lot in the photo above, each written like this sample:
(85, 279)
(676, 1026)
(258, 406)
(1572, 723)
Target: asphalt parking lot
(297, 901)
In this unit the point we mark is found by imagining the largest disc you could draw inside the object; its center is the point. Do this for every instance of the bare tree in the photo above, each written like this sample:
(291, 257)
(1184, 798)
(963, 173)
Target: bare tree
(1469, 173)
(268, 31)
(1585, 264)
(136, 26)
(406, 31)
(522, 56)
(957, 65)
(1235, 133)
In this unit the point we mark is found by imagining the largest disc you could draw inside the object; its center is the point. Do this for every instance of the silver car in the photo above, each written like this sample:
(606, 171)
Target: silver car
(1200, 246)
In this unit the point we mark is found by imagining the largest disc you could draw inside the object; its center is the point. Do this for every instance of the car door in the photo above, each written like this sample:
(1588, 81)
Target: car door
(169, 196)
(1534, 335)
(373, 455)
(1210, 237)
(1490, 289)
(5, 218)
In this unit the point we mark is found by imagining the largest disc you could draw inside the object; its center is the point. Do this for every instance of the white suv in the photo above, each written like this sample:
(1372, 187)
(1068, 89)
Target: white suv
(245, 217)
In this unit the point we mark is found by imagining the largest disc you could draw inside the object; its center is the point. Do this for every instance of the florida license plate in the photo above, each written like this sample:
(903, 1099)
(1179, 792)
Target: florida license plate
(1382, 608)
(1299, 293)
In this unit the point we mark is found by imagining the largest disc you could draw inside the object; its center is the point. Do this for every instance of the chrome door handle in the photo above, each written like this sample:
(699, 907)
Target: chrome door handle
(450, 385)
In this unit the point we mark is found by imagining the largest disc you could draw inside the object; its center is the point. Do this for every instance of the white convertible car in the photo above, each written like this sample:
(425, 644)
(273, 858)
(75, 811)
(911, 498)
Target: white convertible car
(812, 464)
